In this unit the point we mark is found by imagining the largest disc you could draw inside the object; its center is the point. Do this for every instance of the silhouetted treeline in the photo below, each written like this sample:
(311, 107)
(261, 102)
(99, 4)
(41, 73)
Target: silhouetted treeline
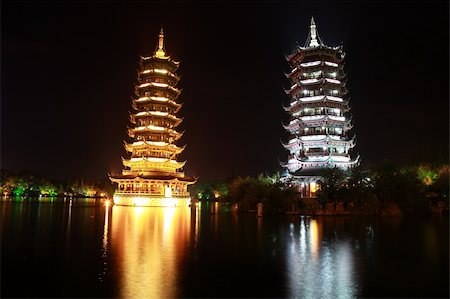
(414, 189)
(30, 184)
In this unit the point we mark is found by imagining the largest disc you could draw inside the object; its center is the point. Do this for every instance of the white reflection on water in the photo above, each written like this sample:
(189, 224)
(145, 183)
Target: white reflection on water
(149, 244)
(319, 268)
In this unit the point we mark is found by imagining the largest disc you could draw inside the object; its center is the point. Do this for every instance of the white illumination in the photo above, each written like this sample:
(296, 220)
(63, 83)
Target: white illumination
(312, 117)
(331, 64)
(146, 72)
(312, 99)
(294, 86)
(339, 118)
(333, 81)
(310, 63)
(168, 192)
(341, 159)
(313, 137)
(308, 81)
(144, 85)
(142, 99)
(336, 99)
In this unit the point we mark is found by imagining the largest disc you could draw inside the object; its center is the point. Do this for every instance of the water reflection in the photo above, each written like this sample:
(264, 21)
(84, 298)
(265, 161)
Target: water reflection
(318, 268)
(149, 244)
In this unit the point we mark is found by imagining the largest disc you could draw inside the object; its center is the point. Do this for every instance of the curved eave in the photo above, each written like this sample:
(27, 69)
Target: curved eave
(172, 103)
(160, 59)
(129, 147)
(143, 177)
(155, 114)
(171, 132)
(162, 161)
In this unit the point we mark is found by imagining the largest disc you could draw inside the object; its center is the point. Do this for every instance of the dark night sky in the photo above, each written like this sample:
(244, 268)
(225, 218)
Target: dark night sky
(68, 73)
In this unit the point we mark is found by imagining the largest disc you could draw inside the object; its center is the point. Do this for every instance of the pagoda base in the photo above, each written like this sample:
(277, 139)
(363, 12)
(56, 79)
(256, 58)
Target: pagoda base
(139, 200)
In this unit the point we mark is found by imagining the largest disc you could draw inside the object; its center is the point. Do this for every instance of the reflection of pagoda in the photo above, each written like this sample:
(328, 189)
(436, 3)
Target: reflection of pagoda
(152, 175)
(319, 121)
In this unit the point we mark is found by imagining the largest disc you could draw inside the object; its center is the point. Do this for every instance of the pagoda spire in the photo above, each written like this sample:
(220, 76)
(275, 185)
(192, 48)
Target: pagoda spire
(314, 37)
(160, 53)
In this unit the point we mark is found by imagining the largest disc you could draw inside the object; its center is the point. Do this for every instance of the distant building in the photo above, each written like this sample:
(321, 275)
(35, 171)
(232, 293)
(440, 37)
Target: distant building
(320, 122)
(152, 175)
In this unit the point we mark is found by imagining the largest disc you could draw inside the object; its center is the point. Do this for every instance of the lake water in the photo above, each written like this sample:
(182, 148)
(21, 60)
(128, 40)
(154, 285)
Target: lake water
(82, 248)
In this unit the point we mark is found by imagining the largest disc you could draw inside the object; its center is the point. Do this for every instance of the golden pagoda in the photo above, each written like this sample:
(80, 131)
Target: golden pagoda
(152, 175)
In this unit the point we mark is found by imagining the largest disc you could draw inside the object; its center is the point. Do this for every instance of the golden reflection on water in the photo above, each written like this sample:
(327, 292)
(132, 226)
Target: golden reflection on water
(149, 243)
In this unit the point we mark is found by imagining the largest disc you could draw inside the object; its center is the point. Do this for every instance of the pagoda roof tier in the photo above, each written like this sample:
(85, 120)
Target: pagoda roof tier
(152, 177)
(318, 140)
(297, 124)
(154, 129)
(156, 145)
(302, 84)
(315, 84)
(324, 66)
(324, 100)
(159, 86)
(300, 54)
(301, 89)
(151, 62)
(157, 100)
(153, 163)
(156, 114)
(302, 169)
(298, 105)
(158, 73)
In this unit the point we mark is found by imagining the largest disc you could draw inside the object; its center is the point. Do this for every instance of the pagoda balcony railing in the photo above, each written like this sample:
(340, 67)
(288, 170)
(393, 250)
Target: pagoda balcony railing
(324, 114)
(322, 93)
(319, 132)
(153, 193)
(323, 153)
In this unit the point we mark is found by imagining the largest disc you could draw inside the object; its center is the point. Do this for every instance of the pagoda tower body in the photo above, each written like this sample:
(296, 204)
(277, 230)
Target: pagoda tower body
(320, 123)
(152, 176)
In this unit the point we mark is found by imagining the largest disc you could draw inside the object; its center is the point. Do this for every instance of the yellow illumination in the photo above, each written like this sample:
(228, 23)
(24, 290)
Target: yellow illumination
(314, 239)
(160, 71)
(313, 187)
(159, 113)
(159, 84)
(149, 243)
(144, 85)
(160, 99)
(151, 127)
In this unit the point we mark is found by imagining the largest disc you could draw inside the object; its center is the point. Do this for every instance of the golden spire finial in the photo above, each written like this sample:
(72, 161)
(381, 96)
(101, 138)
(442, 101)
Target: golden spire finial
(160, 51)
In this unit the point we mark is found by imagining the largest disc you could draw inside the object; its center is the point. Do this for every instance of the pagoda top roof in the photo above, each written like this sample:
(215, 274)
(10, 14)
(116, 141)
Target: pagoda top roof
(313, 40)
(160, 51)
